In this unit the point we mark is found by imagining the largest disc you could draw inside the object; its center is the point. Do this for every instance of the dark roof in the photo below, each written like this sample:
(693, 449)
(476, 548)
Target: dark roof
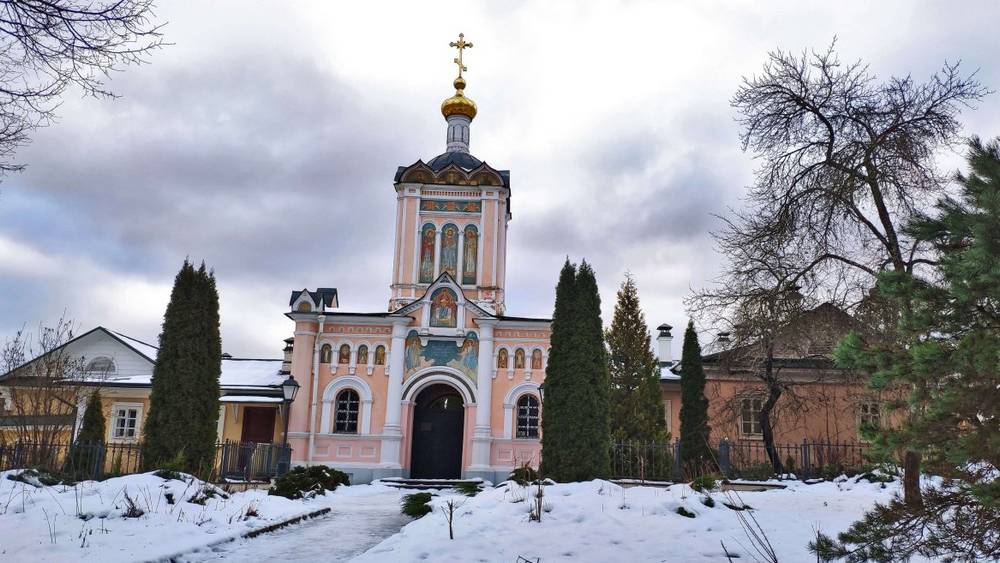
(524, 319)
(463, 160)
(326, 295)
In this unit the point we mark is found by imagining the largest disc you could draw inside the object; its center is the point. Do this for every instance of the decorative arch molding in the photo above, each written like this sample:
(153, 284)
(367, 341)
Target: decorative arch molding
(510, 400)
(439, 374)
(330, 397)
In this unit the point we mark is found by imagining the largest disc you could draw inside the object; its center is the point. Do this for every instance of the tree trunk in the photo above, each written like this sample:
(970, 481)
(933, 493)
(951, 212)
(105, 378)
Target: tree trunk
(773, 394)
(911, 479)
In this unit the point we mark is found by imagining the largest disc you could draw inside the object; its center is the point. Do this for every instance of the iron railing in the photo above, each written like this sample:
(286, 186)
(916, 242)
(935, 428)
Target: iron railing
(741, 459)
(246, 461)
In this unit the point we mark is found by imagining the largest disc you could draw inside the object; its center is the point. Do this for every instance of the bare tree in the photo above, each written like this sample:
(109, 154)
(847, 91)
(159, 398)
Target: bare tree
(48, 45)
(448, 510)
(845, 161)
(42, 386)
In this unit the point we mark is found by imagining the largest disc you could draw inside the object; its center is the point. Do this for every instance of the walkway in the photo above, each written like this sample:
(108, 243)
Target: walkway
(354, 525)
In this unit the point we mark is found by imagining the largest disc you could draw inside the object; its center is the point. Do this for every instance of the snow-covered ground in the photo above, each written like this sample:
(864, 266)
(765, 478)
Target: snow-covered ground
(603, 522)
(90, 521)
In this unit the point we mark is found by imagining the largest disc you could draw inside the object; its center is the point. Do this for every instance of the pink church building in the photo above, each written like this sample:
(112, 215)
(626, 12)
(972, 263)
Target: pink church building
(444, 384)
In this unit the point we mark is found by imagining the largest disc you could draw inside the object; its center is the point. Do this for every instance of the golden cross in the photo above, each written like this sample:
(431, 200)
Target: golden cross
(460, 45)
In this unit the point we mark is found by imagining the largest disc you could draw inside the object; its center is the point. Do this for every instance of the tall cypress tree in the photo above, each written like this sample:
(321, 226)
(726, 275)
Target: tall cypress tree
(636, 402)
(87, 453)
(93, 426)
(696, 453)
(184, 403)
(561, 400)
(593, 377)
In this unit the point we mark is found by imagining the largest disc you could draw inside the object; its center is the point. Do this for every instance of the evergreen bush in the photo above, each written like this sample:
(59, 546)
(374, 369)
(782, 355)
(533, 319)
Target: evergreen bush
(685, 512)
(415, 505)
(307, 482)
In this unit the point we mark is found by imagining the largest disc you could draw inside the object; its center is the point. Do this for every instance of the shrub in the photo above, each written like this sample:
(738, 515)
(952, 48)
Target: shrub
(685, 512)
(469, 489)
(758, 472)
(415, 504)
(168, 474)
(307, 482)
(523, 475)
(708, 501)
(36, 478)
(205, 493)
(704, 482)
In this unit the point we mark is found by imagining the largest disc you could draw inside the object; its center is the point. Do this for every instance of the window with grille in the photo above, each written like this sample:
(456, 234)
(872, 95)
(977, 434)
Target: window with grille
(125, 422)
(750, 416)
(870, 414)
(346, 419)
(101, 366)
(527, 417)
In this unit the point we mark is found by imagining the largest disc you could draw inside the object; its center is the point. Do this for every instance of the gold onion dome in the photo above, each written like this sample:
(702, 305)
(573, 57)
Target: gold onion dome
(459, 104)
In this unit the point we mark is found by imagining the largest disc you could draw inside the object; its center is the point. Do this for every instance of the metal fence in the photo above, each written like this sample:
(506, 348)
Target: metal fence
(245, 461)
(741, 459)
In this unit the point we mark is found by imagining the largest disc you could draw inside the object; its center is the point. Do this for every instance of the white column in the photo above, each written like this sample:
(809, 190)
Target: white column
(437, 253)
(461, 256)
(392, 433)
(481, 439)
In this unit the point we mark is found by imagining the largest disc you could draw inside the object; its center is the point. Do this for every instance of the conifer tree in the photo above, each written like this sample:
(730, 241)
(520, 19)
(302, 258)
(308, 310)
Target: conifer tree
(636, 402)
(696, 452)
(561, 401)
(184, 402)
(947, 354)
(93, 426)
(593, 377)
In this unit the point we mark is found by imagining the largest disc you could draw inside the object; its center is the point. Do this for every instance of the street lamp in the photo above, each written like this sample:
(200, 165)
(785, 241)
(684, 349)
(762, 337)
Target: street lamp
(541, 392)
(289, 388)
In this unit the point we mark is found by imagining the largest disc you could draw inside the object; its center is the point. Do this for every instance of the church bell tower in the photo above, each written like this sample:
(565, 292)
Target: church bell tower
(451, 214)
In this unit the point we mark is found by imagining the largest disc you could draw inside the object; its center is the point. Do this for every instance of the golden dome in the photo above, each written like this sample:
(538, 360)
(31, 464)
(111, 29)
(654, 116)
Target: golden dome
(459, 104)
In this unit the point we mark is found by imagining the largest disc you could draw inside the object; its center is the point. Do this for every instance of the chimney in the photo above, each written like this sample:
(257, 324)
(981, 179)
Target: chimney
(663, 341)
(286, 362)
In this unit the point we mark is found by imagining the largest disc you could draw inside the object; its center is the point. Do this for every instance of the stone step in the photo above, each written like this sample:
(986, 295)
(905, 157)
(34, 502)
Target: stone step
(439, 484)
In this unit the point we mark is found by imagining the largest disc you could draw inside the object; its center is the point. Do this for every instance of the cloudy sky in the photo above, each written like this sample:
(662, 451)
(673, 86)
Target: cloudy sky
(264, 141)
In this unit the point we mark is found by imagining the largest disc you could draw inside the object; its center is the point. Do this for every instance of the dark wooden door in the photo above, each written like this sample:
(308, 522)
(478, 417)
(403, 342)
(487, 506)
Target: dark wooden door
(438, 424)
(258, 425)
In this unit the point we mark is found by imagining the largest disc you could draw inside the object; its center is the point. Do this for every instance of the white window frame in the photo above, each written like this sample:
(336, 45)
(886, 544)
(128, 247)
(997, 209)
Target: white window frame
(754, 420)
(114, 422)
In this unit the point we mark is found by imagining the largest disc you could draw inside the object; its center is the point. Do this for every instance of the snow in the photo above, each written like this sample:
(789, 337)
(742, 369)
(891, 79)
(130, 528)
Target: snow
(249, 399)
(86, 522)
(602, 521)
(236, 373)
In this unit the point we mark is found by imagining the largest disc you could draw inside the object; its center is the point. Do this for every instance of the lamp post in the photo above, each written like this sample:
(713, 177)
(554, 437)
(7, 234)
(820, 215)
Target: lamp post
(289, 388)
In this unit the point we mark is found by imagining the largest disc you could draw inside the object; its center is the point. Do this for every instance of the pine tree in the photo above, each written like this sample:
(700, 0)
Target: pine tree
(184, 402)
(93, 426)
(593, 377)
(696, 452)
(561, 400)
(947, 355)
(86, 454)
(635, 400)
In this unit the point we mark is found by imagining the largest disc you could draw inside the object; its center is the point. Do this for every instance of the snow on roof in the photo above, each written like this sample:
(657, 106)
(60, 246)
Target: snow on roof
(236, 372)
(250, 399)
(147, 350)
(667, 375)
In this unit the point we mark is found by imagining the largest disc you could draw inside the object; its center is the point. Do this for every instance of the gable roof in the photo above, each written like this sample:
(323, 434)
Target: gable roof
(129, 342)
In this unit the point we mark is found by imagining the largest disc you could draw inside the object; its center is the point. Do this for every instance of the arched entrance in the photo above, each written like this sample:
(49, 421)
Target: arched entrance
(438, 427)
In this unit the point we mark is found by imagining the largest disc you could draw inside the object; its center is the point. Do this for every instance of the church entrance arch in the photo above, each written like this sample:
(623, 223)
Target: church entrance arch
(438, 429)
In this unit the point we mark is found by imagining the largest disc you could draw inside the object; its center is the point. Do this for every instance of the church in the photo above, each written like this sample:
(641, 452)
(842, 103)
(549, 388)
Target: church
(444, 384)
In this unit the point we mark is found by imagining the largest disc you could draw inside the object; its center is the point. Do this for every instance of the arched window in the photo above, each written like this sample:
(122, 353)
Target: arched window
(304, 307)
(519, 358)
(536, 359)
(449, 249)
(380, 356)
(470, 255)
(527, 417)
(101, 365)
(427, 234)
(325, 354)
(503, 357)
(362, 355)
(346, 414)
(344, 356)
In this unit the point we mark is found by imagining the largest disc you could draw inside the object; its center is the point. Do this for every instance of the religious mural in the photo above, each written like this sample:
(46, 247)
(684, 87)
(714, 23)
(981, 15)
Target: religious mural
(427, 254)
(464, 357)
(451, 205)
(470, 255)
(444, 308)
(380, 356)
(502, 359)
(519, 358)
(449, 250)
(536, 359)
(363, 355)
(344, 356)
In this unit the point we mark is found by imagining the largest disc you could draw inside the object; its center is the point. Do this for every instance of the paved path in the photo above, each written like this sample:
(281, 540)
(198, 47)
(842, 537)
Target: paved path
(352, 527)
